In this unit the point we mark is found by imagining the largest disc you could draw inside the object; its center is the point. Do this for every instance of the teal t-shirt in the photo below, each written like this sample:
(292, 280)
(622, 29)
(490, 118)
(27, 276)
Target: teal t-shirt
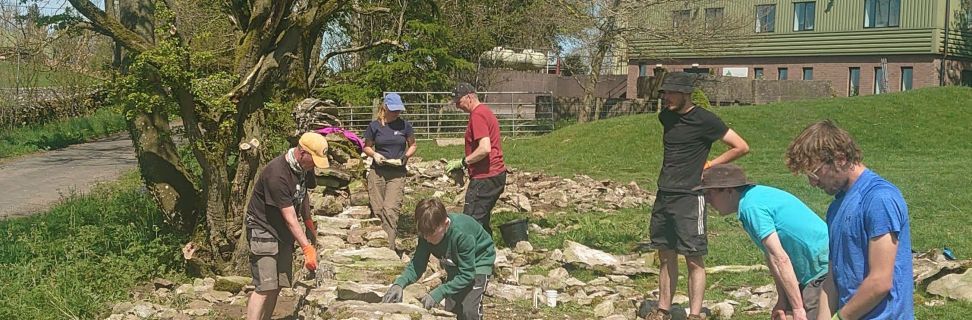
(803, 235)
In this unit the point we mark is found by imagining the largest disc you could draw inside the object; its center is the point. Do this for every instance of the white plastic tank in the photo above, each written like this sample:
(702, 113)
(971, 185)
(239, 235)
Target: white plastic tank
(525, 59)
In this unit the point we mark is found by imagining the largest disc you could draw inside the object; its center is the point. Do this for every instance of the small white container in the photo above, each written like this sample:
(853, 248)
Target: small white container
(551, 298)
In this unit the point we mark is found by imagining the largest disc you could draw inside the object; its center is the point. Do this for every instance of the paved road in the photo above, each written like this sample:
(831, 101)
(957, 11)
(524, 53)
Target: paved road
(35, 182)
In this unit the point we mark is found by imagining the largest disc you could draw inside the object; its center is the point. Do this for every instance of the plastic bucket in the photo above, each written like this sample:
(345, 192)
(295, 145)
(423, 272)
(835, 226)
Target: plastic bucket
(514, 231)
(551, 298)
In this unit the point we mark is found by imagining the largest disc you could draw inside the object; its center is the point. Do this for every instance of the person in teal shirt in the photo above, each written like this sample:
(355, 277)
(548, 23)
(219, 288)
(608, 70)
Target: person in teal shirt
(464, 249)
(792, 237)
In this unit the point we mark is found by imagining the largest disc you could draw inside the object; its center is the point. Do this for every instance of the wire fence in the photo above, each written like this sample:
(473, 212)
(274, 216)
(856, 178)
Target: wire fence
(434, 115)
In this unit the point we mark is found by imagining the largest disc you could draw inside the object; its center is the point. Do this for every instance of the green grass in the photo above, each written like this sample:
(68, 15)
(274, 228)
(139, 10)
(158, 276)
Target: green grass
(38, 76)
(918, 140)
(60, 134)
(71, 261)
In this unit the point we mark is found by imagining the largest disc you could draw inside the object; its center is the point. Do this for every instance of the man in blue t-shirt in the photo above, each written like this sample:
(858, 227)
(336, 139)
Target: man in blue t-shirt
(871, 275)
(793, 238)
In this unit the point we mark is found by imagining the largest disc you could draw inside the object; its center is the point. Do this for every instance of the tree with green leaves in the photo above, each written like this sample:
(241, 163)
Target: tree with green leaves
(602, 28)
(228, 70)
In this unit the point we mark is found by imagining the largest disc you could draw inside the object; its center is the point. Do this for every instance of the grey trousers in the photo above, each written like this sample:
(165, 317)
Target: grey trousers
(468, 303)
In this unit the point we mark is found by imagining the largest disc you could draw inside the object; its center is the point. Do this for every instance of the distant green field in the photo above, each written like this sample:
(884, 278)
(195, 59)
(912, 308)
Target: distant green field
(27, 75)
(918, 140)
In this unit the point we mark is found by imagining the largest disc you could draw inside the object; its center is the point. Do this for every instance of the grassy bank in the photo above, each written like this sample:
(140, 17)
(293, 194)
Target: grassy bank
(60, 134)
(70, 262)
(918, 140)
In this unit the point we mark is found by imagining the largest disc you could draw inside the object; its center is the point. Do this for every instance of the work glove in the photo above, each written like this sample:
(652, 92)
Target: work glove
(310, 257)
(379, 159)
(707, 165)
(428, 302)
(456, 164)
(394, 295)
(837, 316)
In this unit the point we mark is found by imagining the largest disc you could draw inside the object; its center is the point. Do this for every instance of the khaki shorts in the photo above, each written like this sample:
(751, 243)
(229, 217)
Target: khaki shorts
(271, 263)
(811, 296)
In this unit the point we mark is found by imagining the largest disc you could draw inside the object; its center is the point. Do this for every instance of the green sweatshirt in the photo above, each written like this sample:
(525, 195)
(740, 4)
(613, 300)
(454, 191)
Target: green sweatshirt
(466, 244)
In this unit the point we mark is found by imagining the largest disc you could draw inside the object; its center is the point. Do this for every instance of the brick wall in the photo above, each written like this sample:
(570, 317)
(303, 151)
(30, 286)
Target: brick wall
(609, 86)
(833, 69)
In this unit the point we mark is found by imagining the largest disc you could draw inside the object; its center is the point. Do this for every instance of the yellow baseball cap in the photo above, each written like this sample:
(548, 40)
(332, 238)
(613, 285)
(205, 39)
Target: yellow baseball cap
(317, 146)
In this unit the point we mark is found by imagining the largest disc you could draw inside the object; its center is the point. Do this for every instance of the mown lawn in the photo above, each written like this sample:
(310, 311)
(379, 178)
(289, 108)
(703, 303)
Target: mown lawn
(29, 75)
(919, 140)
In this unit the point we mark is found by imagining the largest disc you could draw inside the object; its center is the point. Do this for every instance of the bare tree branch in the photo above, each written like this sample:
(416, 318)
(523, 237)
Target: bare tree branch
(113, 27)
(323, 61)
(238, 12)
(357, 8)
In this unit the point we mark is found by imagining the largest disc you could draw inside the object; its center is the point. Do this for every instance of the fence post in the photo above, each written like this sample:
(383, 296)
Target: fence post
(516, 114)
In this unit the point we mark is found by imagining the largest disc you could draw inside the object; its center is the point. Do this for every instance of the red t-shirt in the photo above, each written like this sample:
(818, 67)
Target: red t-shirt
(483, 123)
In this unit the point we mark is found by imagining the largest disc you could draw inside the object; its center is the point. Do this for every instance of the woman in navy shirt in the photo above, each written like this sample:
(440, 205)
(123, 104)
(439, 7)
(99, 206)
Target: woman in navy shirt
(389, 141)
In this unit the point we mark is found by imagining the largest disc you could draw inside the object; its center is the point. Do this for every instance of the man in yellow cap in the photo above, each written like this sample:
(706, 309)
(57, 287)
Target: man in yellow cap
(272, 225)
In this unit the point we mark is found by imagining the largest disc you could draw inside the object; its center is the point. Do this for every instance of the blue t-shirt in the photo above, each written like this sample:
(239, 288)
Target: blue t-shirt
(390, 139)
(872, 207)
(803, 235)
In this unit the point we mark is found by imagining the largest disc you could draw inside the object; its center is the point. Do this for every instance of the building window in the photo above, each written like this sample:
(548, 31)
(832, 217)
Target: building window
(882, 13)
(807, 73)
(681, 18)
(642, 70)
(854, 82)
(907, 77)
(783, 74)
(967, 78)
(758, 73)
(714, 18)
(803, 15)
(765, 18)
(879, 85)
(696, 70)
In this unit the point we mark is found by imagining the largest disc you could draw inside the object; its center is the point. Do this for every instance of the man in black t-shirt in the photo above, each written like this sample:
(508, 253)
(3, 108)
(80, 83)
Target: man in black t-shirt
(279, 195)
(678, 215)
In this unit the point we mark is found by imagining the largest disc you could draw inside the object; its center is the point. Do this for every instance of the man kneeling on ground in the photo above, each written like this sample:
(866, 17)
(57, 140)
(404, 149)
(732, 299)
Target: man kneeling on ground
(465, 251)
(792, 237)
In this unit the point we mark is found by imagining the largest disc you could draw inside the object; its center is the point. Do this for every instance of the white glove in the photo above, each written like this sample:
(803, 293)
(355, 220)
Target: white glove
(379, 159)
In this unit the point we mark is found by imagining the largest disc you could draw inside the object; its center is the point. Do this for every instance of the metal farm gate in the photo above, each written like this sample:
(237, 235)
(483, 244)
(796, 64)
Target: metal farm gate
(433, 115)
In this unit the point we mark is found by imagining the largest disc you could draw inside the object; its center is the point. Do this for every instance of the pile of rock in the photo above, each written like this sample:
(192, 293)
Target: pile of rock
(943, 277)
(185, 301)
(532, 192)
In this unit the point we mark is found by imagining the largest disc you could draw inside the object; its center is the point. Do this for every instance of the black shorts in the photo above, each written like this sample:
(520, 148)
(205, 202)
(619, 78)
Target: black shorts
(678, 223)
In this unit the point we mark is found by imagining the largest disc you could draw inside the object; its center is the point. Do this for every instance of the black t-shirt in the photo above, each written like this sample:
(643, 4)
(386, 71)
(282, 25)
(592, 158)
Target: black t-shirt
(390, 139)
(688, 139)
(277, 187)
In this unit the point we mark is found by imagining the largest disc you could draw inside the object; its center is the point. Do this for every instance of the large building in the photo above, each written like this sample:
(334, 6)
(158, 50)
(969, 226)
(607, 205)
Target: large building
(862, 46)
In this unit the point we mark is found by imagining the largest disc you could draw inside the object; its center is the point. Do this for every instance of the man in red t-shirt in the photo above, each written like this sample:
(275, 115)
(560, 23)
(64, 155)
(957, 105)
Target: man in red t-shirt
(484, 155)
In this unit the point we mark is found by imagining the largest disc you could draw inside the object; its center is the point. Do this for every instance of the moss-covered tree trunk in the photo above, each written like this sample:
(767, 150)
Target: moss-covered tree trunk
(158, 160)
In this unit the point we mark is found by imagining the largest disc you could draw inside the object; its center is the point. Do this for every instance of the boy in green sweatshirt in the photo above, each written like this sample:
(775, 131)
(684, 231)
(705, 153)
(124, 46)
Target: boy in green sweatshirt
(465, 251)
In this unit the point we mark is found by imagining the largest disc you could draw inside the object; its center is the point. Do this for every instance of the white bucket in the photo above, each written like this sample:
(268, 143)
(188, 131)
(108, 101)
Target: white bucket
(551, 298)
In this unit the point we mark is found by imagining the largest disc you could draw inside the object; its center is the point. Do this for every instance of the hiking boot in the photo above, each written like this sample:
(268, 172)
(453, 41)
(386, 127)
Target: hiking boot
(659, 314)
(695, 317)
